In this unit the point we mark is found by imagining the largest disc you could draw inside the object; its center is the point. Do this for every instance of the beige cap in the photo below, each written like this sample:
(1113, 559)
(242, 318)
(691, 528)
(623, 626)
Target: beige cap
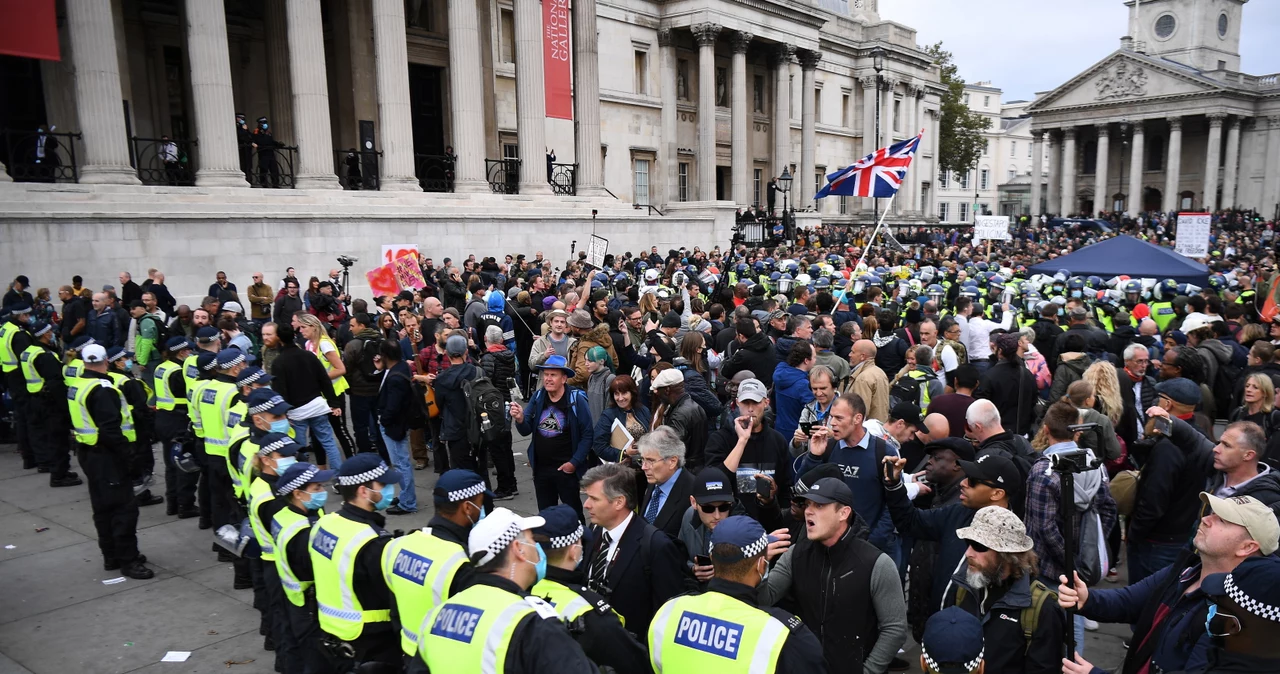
(1250, 513)
(997, 528)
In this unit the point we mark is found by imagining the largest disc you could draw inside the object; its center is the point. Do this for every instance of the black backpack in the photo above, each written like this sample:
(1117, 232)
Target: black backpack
(162, 330)
(905, 390)
(486, 416)
(368, 349)
(1224, 387)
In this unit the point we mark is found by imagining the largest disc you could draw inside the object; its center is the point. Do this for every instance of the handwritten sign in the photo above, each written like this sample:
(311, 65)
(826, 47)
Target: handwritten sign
(382, 280)
(991, 228)
(1193, 234)
(391, 251)
(408, 274)
(596, 250)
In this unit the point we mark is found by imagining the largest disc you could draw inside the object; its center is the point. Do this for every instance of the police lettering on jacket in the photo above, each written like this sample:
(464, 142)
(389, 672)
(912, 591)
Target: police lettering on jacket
(324, 543)
(457, 622)
(411, 567)
(709, 635)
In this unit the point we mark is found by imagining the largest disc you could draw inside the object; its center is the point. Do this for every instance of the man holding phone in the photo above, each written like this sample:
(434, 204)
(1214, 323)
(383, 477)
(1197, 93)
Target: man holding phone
(710, 503)
(756, 455)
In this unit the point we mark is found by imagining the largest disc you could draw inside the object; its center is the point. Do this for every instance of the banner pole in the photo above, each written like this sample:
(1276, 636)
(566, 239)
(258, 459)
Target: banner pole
(876, 231)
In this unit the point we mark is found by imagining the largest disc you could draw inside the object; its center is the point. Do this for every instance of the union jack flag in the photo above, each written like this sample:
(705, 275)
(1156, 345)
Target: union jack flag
(878, 174)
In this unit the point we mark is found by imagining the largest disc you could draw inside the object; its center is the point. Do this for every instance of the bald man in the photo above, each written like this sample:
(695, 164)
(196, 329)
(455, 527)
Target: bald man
(937, 428)
(868, 380)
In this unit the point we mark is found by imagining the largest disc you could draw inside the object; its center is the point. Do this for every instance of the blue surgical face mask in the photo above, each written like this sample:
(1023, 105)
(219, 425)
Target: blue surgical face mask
(284, 462)
(281, 426)
(317, 500)
(264, 125)
(481, 516)
(388, 493)
(128, 364)
(1077, 293)
(539, 566)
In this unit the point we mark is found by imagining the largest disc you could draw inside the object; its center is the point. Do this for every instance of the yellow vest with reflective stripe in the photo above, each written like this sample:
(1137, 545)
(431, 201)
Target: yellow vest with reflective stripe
(569, 604)
(714, 632)
(335, 541)
(471, 633)
(286, 524)
(191, 373)
(27, 360)
(160, 384)
(8, 357)
(1162, 313)
(242, 477)
(82, 423)
(72, 372)
(214, 405)
(339, 384)
(924, 387)
(419, 569)
(260, 493)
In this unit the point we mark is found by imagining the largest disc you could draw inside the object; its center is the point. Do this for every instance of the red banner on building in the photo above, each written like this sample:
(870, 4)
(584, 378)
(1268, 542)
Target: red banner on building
(29, 28)
(555, 58)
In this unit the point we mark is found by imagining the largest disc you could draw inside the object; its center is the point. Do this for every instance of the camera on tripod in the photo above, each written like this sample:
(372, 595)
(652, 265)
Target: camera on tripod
(1076, 460)
(347, 260)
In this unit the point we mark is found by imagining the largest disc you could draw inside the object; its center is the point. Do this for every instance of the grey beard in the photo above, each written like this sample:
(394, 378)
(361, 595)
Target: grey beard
(977, 579)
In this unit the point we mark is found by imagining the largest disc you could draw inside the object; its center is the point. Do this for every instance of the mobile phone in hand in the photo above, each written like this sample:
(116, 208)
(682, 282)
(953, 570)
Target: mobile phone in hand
(762, 486)
(806, 427)
(701, 560)
(886, 469)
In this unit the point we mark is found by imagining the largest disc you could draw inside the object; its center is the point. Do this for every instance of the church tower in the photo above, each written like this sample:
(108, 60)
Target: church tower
(1203, 34)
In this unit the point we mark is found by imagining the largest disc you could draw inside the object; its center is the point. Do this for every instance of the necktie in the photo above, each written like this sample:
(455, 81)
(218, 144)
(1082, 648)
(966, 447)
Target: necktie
(601, 562)
(651, 513)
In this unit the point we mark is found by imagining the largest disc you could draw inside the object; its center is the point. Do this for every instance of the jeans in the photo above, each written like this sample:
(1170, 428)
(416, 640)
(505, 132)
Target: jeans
(324, 434)
(402, 461)
(982, 365)
(1146, 558)
(1079, 632)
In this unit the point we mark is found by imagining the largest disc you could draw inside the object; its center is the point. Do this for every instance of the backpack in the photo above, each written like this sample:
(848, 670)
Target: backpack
(368, 349)
(253, 330)
(1092, 547)
(486, 413)
(162, 330)
(1029, 617)
(906, 389)
(1224, 387)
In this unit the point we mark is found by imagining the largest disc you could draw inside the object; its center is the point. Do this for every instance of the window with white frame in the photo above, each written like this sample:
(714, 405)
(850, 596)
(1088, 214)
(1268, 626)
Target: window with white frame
(758, 178)
(962, 178)
(640, 168)
(986, 101)
(1013, 148)
(944, 211)
(1013, 173)
(944, 180)
(984, 179)
(963, 211)
(966, 99)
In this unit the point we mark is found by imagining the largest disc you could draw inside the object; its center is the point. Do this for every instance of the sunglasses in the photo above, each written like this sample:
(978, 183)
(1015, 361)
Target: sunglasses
(974, 482)
(710, 508)
(977, 547)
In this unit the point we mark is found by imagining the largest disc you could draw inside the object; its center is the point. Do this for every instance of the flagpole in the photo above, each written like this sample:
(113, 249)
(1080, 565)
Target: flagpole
(866, 249)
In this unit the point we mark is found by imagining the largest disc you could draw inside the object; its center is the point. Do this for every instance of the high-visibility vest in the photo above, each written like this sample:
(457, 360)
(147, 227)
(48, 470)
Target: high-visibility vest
(1104, 319)
(1162, 313)
(419, 569)
(340, 384)
(286, 524)
(214, 402)
(242, 477)
(73, 372)
(191, 373)
(27, 360)
(335, 542)
(82, 423)
(8, 357)
(165, 399)
(924, 387)
(567, 602)
(714, 632)
(475, 627)
(260, 493)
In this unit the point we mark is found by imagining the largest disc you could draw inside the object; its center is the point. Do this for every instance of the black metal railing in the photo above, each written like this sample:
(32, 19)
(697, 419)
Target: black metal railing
(40, 157)
(503, 175)
(564, 179)
(651, 208)
(164, 161)
(358, 169)
(434, 171)
(271, 167)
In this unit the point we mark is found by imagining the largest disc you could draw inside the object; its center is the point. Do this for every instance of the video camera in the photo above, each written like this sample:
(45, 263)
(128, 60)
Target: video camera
(347, 260)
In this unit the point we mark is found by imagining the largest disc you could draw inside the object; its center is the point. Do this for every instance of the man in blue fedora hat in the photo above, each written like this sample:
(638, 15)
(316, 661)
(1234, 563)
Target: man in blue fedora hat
(559, 419)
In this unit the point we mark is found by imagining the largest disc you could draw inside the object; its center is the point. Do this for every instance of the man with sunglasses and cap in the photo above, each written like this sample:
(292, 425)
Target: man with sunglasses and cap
(495, 616)
(724, 629)
(48, 424)
(429, 565)
(996, 583)
(593, 623)
(301, 487)
(172, 421)
(346, 554)
(710, 503)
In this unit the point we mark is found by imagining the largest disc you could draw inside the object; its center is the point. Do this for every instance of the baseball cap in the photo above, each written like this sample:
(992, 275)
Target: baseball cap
(264, 400)
(458, 485)
(1180, 390)
(962, 448)
(776, 314)
(455, 346)
(670, 320)
(561, 526)
(207, 334)
(1196, 320)
(952, 641)
(491, 535)
(801, 487)
(908, 412)
(1254, 585)
(280, 443)
(673, 376)
(995, 471)
(1250, 513)
(366, 467)
(829, 490)
(743, 533)
(233, 306)
(752, 389)
(712, 486)
(300, 475)
(94, 353)
(997, 528)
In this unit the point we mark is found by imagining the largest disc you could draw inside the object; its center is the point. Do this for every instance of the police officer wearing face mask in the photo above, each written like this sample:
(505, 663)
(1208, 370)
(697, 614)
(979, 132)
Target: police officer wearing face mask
(247, 434)
(497, 613)
(15, 337)
(266, 145)
(346, 554)
(593, 623)
(263, 410)
(50, 426)
(172, 420)
(276, 452)
(143, 461)
(301, 489)
(430, 565)
(244, 143)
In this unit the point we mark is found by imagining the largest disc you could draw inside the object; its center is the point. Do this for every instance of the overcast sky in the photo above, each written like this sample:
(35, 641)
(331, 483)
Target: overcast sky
(1025, 46)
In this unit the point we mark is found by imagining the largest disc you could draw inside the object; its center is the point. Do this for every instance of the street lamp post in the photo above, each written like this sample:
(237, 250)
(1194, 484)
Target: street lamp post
(1124, 143)
(784, 186)
(877, 62)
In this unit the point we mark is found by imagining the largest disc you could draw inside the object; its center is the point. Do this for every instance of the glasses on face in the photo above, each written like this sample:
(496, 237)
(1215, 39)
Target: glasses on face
(973, 483)
(710, 508)
(646, 461)
(977, 547)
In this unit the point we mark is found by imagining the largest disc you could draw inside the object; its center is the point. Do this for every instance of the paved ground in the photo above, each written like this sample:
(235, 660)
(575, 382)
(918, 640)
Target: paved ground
(57, 615)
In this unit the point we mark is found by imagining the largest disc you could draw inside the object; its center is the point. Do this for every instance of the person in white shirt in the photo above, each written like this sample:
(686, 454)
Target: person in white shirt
(978, 334)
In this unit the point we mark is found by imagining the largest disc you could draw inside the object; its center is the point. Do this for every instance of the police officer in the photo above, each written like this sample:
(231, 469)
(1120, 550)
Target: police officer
(276, 452)
(14, 339)
(143, 461)
(301, 489)
(723, 630)
(197, 370)
(103, 428)
(430, 565)
(73, 365)
(253, 425)
(593, 623)
(244, 143)
(952, 643)
(222, 427)
(264, 414)
(346, 556)
(266, 144)
(496, 613)
(172, 420)
(49, 426)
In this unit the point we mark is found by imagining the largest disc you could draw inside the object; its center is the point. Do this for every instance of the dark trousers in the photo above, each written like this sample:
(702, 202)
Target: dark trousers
(288, 655)
(17, 386)
(115, 514)
(203, 496)
(463, 455)
(339, 425)
(439, 451)
(382, 646)
(143, 461)
(504, 462)
(552, 486)
(222, 499)
(365, 424)
(1146, 558)
(49, 435)
(305, 629)
(179, 487)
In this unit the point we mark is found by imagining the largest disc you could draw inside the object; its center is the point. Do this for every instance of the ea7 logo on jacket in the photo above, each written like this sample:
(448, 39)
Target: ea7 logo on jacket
(709, 635)
(849, 471)
(457, 622)
(324, 543)
(411, 567)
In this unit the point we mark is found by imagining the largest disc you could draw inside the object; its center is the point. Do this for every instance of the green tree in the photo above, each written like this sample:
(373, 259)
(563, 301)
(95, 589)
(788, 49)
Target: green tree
(960, 136)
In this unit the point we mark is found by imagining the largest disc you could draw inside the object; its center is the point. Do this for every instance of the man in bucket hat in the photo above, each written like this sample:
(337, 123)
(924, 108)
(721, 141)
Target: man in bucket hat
(558, 417)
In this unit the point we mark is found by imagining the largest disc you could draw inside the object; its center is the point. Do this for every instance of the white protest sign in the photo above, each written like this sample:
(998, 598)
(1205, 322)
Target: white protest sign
(391, 251)
(991, 227)
(1193, 234)
(596, 250)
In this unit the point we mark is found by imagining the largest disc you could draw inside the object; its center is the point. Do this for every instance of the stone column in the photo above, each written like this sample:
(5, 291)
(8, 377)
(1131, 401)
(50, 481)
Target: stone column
(705, 34)
(912, 186)
(1271, 188)
(1232, 169)
(1055, 174)
(887, 117)
(1101, 168)
(1068, 171)
(868, 125)
(668, 154)
(782, 108)
(310, 97)
(394, 116)
(741, 127)
(211, 97)
(1212, 157)
(466, 98)
(1134, 203)
(808, 69)
(586, 100)
(1173, 165)
(1037, 170)
(98, 98)
(280, 94)
(531, 102)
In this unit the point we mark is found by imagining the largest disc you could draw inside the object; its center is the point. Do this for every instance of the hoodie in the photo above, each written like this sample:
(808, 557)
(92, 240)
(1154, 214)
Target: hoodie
(791, 388)
(756, 355)
(476, 307)
(1215, 354)
(496, 314)
(1071, 367)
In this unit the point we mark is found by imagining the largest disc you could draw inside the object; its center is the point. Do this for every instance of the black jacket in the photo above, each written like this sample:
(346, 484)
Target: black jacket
(936, 524)
(1000, 610)
(673, 506)
(299, 377)
(599, 631)
(367, 581)
(755, 355)
(1166, 507)
(500, 366)
(637, 588)
(1014, 448)
(766, 452)
(452, 401)
(1130, 418)
(689, 421)
(1011, 387)
(285, 308)
(394, 400)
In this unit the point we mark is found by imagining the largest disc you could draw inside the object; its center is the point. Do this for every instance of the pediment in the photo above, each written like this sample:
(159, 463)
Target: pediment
(1123, 77)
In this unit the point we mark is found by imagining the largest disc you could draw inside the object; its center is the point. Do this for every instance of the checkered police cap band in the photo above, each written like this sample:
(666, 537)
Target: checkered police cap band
(118, 356)
(259, 409)
(499, 544)
(47, 327)
(968, 666)
(565, 541)
(251, 378)
(267, 449)
(209, 366)
(1248, 603)
(236, 360)
(297, 482)
(466, 493)
(361, 478)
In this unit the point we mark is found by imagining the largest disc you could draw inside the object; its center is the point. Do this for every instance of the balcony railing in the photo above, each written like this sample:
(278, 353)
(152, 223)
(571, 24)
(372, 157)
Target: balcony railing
(503, 175)
(271, 166)
(164, 161)
(434, 171)
(564, 179)
(40, 157)
(357, 169)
